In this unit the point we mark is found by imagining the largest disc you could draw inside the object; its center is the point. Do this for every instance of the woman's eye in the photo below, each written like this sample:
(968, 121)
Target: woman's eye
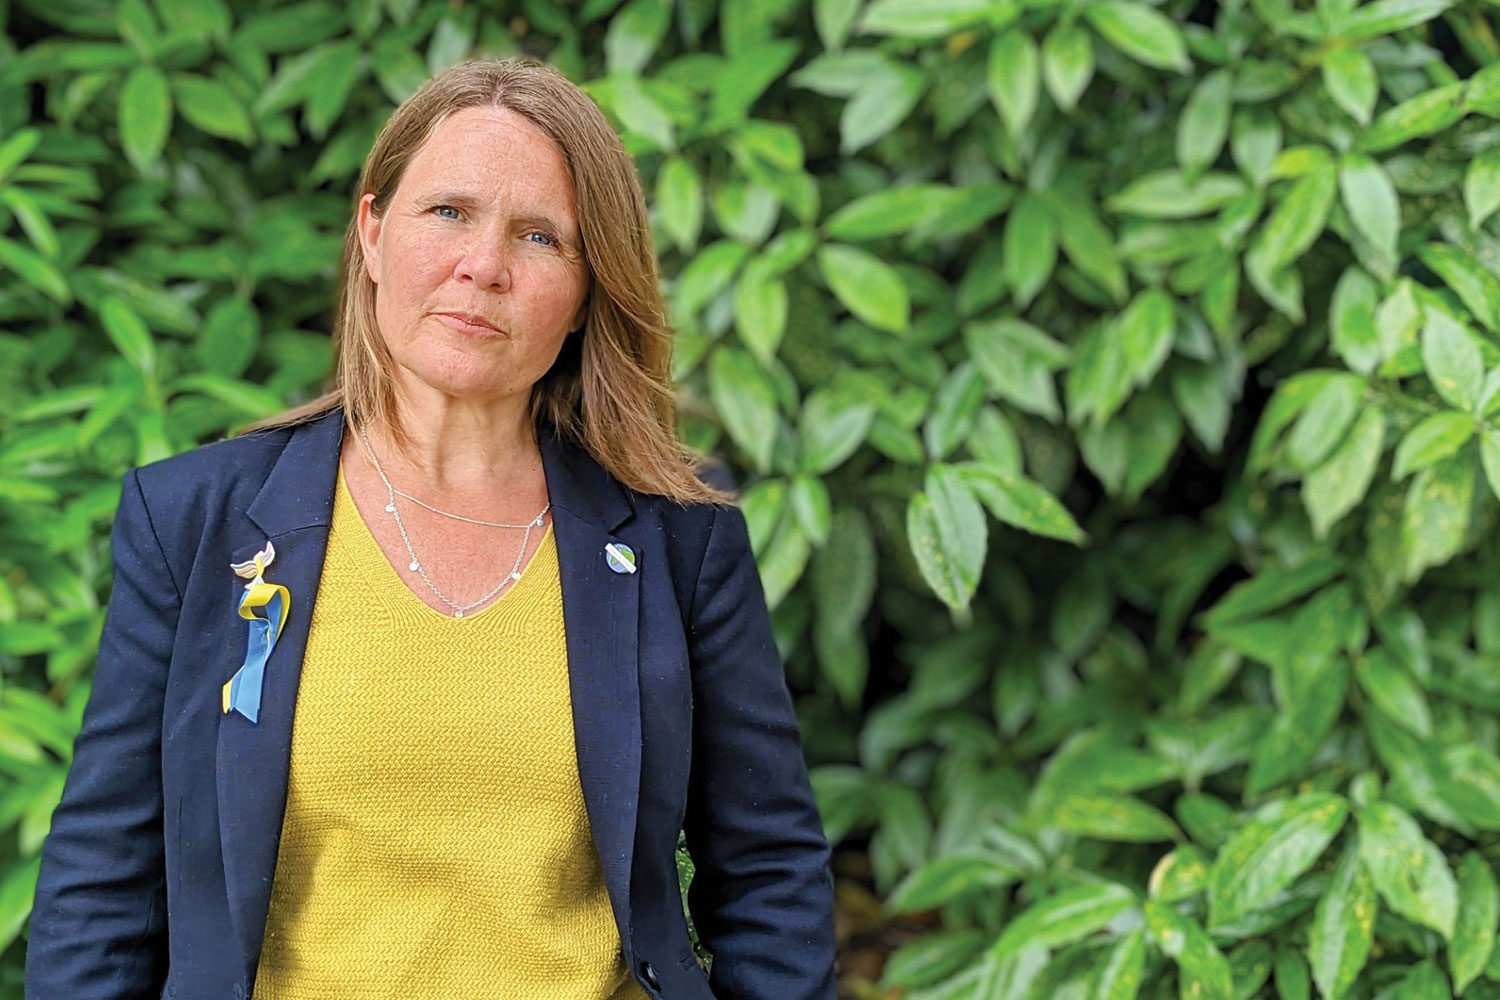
(439, 208)
(547, 237)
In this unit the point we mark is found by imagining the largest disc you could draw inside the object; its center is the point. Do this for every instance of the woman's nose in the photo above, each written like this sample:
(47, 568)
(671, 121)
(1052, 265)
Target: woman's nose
(486, 262)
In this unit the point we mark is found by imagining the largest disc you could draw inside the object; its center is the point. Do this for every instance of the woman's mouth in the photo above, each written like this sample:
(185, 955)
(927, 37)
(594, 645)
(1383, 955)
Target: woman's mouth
(466, 323)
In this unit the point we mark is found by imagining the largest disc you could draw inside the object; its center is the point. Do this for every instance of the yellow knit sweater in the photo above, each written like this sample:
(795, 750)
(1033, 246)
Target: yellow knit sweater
(435, 843)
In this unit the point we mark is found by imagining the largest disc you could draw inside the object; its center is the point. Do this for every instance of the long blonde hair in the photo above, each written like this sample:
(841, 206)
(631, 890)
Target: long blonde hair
(610, 390)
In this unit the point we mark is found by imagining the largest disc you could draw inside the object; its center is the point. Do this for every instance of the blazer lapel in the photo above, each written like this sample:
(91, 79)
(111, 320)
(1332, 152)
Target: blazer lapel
(293, 509)
(601, 610)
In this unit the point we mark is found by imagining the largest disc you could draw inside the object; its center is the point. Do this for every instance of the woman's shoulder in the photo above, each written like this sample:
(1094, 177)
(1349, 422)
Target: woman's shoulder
(218, 469)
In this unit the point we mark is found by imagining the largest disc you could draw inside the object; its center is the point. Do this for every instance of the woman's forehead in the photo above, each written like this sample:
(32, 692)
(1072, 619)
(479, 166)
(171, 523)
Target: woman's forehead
(478, 152)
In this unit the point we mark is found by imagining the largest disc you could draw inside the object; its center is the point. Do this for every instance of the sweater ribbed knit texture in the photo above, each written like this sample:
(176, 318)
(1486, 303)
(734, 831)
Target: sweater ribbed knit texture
(435, 843)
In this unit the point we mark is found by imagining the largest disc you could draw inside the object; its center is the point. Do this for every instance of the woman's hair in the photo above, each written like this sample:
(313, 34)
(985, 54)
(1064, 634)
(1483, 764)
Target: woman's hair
(610, 390)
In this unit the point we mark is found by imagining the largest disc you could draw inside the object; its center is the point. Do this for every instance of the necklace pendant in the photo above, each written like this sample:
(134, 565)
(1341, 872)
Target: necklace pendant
(458, 614)
(413, 566)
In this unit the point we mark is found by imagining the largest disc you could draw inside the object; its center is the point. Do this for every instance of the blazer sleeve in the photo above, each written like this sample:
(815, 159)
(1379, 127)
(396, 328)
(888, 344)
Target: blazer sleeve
(98, 926)
(761, 895)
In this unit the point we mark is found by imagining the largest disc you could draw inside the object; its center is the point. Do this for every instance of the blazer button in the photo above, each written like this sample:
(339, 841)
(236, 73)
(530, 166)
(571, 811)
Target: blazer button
(649, 975)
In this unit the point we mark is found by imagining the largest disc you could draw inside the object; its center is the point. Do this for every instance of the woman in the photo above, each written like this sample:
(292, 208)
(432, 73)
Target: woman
(538, 649)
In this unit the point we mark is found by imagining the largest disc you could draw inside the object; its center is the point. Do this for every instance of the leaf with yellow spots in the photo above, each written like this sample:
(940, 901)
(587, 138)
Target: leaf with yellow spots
(1270, 851)
(1203, 971)
(1474, 931)
(1343, 926)
(1407, 868)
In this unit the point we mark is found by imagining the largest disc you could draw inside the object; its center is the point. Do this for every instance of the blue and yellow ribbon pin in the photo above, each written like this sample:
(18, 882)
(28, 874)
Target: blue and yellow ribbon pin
(242, 692)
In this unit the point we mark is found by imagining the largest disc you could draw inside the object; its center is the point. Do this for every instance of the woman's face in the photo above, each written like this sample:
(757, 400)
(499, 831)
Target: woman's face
(483, 223)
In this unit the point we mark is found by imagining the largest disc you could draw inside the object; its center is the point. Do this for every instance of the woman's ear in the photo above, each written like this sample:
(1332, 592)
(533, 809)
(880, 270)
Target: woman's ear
(582, 315)
(368, 225)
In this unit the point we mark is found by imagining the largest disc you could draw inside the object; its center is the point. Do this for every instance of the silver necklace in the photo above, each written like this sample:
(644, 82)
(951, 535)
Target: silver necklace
(416, 564)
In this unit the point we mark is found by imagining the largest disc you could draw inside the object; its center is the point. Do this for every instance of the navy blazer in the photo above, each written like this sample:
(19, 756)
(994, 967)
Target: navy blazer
(156, 876)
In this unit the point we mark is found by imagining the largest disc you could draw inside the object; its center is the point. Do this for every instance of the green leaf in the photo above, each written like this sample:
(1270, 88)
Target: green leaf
(1436, 516)
(832, 427)
(880, 106)
(891, 211)
(1303, 723)
(1394, 691)
(129, 334)
(248, 398)
(1067, 63)
(634, 34)
(1430, 111)
(1489, 454)
(1110, 817)
(945, 879)
(955, 405)
(1338, 485)
(1018, 359)
(1474, 283)
(1424, 981)
(1203, 971)
(1021, 503)
(1370, 198)
(1271, 588)
(1343, 926)
(1255, 142)
(932, 958)
(948, 535)
(17, 888)
(1204, 124)
(210, 105)
(36, 270)
(1352, 320)
(1268, 853)
(1065, 917)
(1452, 360)
(708, 274)
(1434, 438)
(1474, 929)
(1407, 868)
(870, 288)
(1142, 33)
(679, 197)
(1481, 186)
(1030, 240)
(1386, 17)
(1169, 194)
(1292, 980)
(746, 402)
(833, 18)
(1202, 397)
(1146, 329)
(1351, 81)
(760, 310)
(145, 116)
(1325, 421)
(928, 19)
(1297, 222)
(1014, 75)
(16, 148)
(1119, 976)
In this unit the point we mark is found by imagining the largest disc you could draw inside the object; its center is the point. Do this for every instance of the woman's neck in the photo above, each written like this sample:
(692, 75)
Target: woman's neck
(458, 447)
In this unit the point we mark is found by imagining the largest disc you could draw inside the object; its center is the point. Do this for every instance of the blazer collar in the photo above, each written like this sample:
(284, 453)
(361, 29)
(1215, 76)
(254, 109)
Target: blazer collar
(299, 491)
(601, 611)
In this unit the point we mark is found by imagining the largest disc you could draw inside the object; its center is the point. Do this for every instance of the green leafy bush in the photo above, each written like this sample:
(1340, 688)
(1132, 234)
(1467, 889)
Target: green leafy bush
(1116, 386)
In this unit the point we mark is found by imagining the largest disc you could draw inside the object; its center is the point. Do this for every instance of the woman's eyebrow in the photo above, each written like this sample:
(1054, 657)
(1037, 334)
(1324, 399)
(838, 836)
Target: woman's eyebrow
(464, 199)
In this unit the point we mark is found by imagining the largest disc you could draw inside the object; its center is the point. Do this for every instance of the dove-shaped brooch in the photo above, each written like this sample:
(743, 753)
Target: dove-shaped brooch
(242, 692)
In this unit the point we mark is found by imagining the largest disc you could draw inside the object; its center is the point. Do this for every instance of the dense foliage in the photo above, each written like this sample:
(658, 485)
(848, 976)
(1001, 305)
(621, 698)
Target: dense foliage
(1114, 383)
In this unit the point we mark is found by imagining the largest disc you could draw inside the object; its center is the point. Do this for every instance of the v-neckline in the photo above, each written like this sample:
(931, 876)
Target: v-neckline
(405, 593)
